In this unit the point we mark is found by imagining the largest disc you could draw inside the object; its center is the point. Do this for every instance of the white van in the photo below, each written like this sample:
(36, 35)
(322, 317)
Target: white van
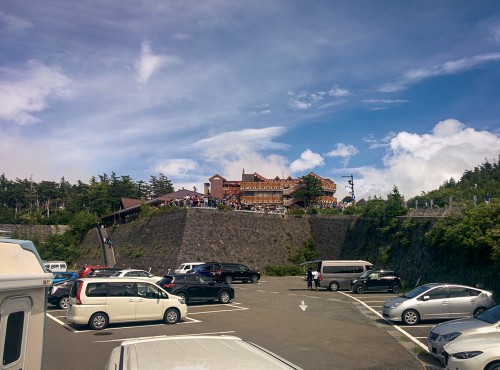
(23, 290)
(55, 266)
(98, 302)
(186, 266)
(194, 352)
(337, 274)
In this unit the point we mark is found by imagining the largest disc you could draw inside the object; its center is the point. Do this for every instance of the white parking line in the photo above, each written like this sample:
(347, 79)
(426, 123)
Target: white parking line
(236, 308)
(398, 328)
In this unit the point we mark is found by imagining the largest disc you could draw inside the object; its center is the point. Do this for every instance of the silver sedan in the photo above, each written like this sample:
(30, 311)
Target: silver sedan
(437, 301)
(486, 322)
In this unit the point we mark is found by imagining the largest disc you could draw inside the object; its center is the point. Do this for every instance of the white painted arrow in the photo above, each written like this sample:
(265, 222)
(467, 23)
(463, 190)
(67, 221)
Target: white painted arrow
(303, 306)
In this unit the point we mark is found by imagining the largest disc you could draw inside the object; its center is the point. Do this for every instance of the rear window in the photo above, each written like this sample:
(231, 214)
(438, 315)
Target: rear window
(166, 280)
(74, 288)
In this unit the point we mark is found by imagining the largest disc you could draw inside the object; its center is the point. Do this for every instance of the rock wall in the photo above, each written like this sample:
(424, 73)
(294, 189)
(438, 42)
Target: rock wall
(35, 233)
(164, 241)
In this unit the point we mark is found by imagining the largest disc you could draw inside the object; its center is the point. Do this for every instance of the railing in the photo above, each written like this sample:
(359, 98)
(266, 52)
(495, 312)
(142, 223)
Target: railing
(261, 199)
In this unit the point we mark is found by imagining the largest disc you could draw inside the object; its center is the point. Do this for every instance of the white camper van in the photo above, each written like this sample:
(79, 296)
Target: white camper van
(23, 290)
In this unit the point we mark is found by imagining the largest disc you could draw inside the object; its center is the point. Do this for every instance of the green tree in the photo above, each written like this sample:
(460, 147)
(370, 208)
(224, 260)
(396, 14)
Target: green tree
(310, 191)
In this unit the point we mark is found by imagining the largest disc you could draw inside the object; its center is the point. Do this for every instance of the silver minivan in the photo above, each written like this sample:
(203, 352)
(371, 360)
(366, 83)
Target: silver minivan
(100, 301)
(337, 274)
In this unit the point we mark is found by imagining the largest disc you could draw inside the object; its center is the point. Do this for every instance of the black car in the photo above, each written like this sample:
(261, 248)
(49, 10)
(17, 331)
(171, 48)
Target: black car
(194, 287)
(59, 293)
(376, 280)
(227, 272)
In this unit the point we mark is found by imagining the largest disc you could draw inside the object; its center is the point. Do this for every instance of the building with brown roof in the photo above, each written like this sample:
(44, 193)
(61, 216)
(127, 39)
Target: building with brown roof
(256, 190)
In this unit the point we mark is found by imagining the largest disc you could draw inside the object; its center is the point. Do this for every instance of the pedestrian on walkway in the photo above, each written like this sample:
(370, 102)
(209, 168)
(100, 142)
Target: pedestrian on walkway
(309, 278)
(316, 279)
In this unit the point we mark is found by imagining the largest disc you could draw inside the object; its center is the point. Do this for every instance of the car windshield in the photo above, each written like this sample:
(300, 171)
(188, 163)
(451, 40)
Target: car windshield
(117, 273)
(490, 316)
(417, 291)
(365, 274)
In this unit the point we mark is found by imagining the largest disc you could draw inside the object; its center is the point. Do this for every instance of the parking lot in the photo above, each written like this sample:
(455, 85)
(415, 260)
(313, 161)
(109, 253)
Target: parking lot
(313, 329)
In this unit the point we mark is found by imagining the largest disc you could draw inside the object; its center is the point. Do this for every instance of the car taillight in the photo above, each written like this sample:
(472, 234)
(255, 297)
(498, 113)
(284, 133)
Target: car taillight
(168, 285)
(218, 272)
(78, 300)
(320, 277)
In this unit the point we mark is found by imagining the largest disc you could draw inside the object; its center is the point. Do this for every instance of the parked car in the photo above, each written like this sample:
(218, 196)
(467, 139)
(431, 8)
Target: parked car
(85, 270)
(194, 352)
(193, 287)
(186, 266)
(58, 294)
(139, 274)
(61, 276)
(437, 301)
(485, 322)
(376, 280)
(228, 272)
(103, 272)
(338, 274)
(98, 302)
(474, 352)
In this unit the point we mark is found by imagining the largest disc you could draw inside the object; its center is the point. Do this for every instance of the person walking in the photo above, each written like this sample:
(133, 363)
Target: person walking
(316, 279)
(309, 279)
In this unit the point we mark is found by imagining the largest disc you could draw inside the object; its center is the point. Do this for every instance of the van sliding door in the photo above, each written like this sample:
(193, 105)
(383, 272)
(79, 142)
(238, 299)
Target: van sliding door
(16, 313)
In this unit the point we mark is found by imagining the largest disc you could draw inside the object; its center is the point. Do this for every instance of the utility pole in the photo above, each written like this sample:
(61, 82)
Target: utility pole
(351, 186)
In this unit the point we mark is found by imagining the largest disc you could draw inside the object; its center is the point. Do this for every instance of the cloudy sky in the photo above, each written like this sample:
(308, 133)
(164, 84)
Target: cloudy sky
(403, 93)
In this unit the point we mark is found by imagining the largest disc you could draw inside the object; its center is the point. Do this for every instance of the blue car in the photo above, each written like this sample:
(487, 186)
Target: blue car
(61, 276)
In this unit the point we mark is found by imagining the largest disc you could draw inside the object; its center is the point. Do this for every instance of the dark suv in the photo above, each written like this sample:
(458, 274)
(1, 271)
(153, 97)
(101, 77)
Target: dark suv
(376, 280)
(194, 287)
(228, 272)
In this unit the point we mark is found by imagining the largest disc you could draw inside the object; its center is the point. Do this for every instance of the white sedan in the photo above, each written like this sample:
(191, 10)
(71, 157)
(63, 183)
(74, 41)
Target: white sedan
(140, 274)
(474, 352)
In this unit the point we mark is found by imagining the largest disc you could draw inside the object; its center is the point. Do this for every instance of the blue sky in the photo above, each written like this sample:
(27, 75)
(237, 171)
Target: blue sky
(403, 93)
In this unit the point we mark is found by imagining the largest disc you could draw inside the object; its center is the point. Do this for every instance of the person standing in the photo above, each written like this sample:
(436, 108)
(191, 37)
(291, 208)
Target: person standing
(309, 278)
(316, 279)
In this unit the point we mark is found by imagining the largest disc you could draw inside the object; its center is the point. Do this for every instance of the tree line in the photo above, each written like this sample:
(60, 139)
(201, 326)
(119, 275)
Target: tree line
(24, 201)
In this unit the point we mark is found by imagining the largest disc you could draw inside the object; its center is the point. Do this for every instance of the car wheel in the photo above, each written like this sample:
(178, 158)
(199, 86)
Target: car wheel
(98, 321)
(396, 288)
(360, 289)
(254, 279)
(183, 295)
(224, 297)
(411, 317)
(479, 310)
(493, 366)
(63, 303)
(228, 279)
(334, 286)
(171, 316)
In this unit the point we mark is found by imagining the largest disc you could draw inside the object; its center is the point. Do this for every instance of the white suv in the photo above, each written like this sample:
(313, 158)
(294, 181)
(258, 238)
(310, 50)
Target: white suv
(100, 301)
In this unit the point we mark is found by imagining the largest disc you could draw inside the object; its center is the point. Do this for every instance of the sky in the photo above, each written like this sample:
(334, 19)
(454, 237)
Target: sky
(394, 93)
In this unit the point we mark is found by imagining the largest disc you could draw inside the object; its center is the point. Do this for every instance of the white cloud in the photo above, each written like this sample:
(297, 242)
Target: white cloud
(343, 151)
(231, 152)
(416, 163)
(308, 160)
(14, 23)
(177, 167)
(452, 67)
(26, 91)
(305, 100)
(149, 63)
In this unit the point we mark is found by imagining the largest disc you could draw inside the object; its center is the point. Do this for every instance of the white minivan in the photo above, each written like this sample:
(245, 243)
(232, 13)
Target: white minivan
(337, 274)
(186, 266)
(98, 302)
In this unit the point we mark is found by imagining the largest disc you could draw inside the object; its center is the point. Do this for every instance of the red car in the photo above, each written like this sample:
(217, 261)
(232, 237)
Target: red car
(87, 269)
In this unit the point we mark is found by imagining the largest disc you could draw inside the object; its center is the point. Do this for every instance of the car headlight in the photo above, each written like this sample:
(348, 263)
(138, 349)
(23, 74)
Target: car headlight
(182, 300)
(466, 355)
(396, 304)
(448, 337)
(353, 281)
